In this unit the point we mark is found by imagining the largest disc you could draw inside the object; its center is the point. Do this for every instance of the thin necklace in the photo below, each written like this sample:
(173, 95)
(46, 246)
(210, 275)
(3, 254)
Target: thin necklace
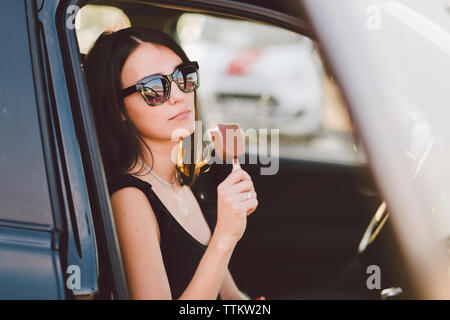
(156, 176)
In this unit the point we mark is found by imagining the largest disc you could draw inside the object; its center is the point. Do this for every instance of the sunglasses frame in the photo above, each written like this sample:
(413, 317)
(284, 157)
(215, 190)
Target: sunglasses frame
(139, 86)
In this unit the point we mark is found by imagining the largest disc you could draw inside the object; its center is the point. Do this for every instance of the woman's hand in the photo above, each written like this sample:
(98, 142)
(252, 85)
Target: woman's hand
(233, 205)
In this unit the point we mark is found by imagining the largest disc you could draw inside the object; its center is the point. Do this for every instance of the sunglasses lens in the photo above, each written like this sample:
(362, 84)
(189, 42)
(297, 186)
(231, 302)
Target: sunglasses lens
(156, 90)
(187, 79)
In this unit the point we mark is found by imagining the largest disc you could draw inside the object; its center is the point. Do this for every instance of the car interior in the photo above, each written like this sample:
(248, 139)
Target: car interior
(302, 241)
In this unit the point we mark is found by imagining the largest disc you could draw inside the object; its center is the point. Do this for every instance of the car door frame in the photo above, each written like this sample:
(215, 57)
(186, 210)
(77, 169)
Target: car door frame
(65, 166)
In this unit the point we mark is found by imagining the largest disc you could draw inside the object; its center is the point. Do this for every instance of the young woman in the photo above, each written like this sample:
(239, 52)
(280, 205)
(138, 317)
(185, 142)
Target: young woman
(142, 88)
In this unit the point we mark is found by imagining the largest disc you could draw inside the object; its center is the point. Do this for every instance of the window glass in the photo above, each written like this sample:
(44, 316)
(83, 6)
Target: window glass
(268, 78)
(92, 20)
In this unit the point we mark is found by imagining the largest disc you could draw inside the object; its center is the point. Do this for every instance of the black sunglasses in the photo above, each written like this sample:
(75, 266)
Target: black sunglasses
(155, 89)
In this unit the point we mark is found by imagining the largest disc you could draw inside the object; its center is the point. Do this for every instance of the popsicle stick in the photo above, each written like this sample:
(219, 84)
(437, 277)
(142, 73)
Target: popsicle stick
(236, 164)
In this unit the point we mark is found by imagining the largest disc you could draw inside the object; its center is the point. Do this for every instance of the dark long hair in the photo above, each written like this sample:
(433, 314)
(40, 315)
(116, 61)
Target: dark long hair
(120, 142)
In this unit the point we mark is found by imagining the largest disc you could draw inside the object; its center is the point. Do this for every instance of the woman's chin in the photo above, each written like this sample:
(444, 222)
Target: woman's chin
(189, 125)
(183, 129)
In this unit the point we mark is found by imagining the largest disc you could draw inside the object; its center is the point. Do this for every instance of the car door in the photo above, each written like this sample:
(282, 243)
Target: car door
(47, 242)
(31, 226)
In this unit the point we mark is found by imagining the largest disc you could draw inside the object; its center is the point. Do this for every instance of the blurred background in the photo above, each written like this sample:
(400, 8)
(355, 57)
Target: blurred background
(243, 80)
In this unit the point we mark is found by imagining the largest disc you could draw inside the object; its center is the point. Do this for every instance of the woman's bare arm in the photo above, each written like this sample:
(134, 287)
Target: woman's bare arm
(229, 289)
(208, 277)
(138, 234)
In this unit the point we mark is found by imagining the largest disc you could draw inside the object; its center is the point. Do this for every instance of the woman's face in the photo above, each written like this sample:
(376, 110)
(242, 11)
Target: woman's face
(154, 123)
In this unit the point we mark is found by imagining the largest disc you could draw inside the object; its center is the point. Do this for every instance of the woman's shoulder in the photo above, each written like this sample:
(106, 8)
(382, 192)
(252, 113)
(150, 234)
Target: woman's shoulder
(124, 180)
(134, 193)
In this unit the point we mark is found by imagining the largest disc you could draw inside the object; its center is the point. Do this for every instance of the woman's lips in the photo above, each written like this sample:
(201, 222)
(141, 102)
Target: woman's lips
(181, 116)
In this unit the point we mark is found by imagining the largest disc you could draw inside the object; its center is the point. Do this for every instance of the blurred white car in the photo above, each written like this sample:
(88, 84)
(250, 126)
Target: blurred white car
(253, 79)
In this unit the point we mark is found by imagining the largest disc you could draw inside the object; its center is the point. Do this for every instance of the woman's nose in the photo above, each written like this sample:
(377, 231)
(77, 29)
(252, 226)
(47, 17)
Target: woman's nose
(176, 94)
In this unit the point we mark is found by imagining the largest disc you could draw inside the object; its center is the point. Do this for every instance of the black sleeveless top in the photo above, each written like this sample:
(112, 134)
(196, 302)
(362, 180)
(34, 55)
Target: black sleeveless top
(181, 252)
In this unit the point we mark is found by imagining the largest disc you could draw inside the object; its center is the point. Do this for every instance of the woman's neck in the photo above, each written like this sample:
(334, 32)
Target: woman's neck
(163, 161)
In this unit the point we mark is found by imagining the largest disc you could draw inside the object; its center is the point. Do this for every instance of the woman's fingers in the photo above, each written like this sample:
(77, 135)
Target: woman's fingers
(243, 196)
(241, 186)
(234, 177)
(250, 205)
(235, 189)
